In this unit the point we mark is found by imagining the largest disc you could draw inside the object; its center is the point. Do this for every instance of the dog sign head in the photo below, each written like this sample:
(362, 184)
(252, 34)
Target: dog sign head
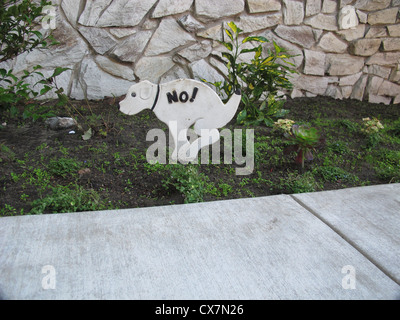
(140, 96)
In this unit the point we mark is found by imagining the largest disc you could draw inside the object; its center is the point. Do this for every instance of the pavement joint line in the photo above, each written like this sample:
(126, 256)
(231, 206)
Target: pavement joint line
(352, 243)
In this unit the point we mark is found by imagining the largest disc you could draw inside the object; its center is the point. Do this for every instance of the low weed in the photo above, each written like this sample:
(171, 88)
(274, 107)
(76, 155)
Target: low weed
(64, 166)
(73, 198)
(300, 183)
(188, 181)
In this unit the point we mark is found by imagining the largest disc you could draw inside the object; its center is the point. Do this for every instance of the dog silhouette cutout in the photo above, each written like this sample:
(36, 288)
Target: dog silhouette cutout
(181, 104)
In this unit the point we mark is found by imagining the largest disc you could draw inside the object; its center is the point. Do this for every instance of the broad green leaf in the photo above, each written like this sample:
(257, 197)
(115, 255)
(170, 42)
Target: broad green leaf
(258, 52)
(229, 46)
(233, 26)
(248, 50)
(258, 39)
(278, 49)
(267, 60)
(58, 71)
(229, 34)
(45, 90)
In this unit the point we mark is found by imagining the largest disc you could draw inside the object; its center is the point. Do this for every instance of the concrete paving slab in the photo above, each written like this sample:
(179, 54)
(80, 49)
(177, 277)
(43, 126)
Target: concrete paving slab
(368, 218)
(260, 248)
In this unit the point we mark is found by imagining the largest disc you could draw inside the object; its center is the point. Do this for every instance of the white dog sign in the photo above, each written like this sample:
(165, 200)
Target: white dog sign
(181, 104)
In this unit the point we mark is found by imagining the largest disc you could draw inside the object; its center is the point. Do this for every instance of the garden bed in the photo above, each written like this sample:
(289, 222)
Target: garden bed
(46, 171)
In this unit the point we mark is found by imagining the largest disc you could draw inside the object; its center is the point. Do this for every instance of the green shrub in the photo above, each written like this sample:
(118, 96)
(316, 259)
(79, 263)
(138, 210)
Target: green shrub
(259, 80)
(19, 34)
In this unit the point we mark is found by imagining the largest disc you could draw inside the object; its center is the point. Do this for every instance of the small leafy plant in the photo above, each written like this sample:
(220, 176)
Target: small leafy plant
(188, 181)
(371, 128)
(372, 125)
(303, 140)
(283, 124)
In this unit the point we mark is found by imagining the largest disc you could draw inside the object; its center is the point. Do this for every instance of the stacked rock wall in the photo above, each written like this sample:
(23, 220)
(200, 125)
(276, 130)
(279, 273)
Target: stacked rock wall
(344, 49)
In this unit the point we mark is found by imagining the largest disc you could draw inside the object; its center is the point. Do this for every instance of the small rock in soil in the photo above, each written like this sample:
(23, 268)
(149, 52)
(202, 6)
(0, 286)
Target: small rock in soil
(58, 123)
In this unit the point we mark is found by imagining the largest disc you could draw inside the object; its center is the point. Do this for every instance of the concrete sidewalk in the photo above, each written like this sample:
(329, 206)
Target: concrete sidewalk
(342, 244)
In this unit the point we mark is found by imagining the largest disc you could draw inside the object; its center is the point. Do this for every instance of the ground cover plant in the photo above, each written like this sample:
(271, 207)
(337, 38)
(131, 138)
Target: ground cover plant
(47, 171)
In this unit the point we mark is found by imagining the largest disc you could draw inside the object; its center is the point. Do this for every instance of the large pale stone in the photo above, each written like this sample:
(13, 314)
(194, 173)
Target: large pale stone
(169, 7)
(391, 44)
(384, 58)
(313, 84)
(365, 47)
(93, 83)
(389, 89)
(343, 64)
(218, 65)
(197, 51)
(329, 6)
(353, 34)
(346, 91)
(150, 24)
(130, 49)
(322, 21)
(254, 23)
(359, 88)
(362, 16)
(347, 18)
(395, 75)
(70, 52)
(313, 7)
(344, 3)
(175, 73)
(190, 24)
(92, 12)
(152, 68)
(372, 5)
(167, 37)
(330, 43)
(378, 99)
(314, 63)
(100, 40)
(383, 72)
(386, 16)
(256, 6)
(114, 68)
(122, 32)
(214, 33)
(217, 9)
(373, 85)
(302, 35)
(334, 92)
(394, 30)
(293, 12)
(202, 70)
(376, 32)
(71, 10)
(107, 13)
(349, 80)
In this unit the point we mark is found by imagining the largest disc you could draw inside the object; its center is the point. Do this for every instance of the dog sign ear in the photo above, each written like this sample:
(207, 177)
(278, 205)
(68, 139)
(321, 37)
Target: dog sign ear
(146, 90)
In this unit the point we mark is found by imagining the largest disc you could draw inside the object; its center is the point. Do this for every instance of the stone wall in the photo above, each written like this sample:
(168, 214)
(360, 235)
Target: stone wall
(344, 49)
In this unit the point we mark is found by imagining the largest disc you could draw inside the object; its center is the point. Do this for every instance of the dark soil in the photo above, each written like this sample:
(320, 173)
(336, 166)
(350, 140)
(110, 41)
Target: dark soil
(113, 163)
